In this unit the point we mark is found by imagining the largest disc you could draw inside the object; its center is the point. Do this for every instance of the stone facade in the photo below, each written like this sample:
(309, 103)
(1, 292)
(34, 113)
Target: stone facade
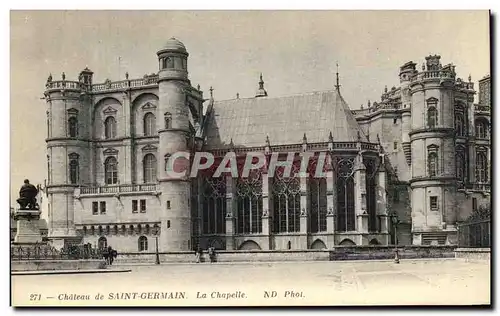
(109, 146)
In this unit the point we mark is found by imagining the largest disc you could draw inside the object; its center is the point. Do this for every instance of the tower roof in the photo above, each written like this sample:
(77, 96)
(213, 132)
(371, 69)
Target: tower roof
(173, 44)
(284, 119)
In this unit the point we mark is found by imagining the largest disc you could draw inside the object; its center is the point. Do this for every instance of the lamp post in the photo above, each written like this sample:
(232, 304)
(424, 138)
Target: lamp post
(395, 222)
(157, 254)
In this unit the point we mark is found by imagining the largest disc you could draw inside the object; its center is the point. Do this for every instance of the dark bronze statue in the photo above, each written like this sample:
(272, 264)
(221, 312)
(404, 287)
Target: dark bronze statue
(27, 196)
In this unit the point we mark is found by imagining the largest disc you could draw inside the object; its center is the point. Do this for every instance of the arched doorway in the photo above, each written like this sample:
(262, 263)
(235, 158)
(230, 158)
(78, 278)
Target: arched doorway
(249, 245)
(318, 244)
(102, 243)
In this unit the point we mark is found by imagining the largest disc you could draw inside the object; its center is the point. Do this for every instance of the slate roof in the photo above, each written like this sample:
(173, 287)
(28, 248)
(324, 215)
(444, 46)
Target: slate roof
(285, 119)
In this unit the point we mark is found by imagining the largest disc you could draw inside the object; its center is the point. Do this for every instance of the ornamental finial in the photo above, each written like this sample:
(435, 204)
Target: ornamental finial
(337, 86)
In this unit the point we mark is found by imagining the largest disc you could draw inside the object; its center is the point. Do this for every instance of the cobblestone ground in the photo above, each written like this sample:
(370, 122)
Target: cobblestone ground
(415, 282)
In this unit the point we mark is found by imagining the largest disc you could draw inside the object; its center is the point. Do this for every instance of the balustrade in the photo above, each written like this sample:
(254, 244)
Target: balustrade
(124, 188)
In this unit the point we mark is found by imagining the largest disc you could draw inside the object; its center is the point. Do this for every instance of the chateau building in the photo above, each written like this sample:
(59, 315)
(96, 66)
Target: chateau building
(418, 158)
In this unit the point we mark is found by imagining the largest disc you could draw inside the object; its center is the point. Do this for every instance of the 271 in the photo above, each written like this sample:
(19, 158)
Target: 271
(35, 297)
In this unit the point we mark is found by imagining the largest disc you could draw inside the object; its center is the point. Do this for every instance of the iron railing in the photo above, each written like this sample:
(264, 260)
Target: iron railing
(46, 252)
(475, 232)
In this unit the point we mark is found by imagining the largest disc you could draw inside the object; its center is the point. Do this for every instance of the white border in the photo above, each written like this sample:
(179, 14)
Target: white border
(189, 5)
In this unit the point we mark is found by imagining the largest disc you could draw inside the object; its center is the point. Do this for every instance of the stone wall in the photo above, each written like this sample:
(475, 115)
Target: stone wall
(46, 265)
(338, 253)
(473, 254)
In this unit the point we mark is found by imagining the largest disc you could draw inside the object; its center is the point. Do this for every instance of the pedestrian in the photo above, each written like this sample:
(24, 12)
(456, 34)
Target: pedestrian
(211, 254)
(111, 255)
(199, 253)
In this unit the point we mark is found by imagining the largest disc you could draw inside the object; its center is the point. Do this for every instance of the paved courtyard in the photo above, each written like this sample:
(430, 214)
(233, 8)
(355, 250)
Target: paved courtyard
(416, 282)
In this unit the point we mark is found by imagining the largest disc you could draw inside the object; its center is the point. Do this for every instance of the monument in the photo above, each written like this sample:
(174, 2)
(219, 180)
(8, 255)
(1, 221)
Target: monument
(27, 216)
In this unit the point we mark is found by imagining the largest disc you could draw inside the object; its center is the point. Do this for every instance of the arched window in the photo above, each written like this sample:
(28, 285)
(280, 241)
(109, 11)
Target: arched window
(110, 127)
(432, 117)
(432, 161)
(317, 196)
(149, 164)
(286, 195)
(481, 168)
(149, 124)
(346, 215)
(111, 170)
(143, 243)
(168, 120)
(249, 203)
(102, 243)
(214, 206)
(73, 126)
(169, 62)
(481, 128)
(74, 172)
(459, 125)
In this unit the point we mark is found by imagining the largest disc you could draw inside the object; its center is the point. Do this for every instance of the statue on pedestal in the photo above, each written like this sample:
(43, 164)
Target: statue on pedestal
(27, 196)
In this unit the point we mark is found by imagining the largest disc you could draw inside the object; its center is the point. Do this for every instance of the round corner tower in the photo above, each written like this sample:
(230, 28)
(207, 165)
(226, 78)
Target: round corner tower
(173, 131)
(407, 71)
(432, 137)
(67, 152)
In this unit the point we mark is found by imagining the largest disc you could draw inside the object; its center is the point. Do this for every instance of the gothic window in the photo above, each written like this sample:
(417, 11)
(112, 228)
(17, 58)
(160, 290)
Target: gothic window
(111, 170)
(143, 243)
(346, 220)
(371, 195)
(459, 125)
(481, 128)
(168, 120)
(286, 194)
(214, 206)
(317, 195)
(481, 167)
(149, 165)
(73, 126)
(74, 172)
(110, 127)
(432, 162)
(149, 124)
(102, 243)
(432, 117)
(249, 201)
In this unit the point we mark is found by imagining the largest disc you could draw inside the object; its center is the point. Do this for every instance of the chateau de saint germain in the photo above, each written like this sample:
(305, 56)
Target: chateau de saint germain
(419, 158)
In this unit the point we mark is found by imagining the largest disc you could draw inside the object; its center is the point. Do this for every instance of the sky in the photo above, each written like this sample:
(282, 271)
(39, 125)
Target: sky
(296, 51)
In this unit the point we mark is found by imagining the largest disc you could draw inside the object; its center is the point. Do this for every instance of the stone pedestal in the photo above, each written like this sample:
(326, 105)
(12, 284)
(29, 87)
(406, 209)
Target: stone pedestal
(28, 229)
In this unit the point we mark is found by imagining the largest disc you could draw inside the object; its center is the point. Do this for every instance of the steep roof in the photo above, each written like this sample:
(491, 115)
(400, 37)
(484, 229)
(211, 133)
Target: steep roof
(285, 119)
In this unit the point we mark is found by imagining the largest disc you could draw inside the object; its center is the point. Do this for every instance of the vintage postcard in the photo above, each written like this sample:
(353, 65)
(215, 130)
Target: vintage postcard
(250, 158)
